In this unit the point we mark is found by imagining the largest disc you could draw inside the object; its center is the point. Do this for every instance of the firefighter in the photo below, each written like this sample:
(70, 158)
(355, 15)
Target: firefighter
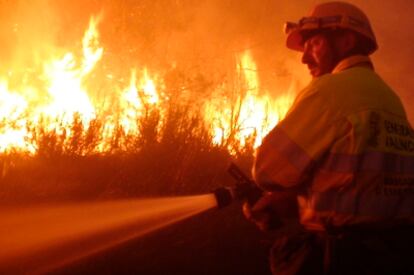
(344, 154)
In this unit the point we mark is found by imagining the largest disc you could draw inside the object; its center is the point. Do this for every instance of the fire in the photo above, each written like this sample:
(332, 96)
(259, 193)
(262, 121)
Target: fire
(12, 108)
(66, 77)
(254, 113)
(64, 96)
(92, 52)
(136, 99)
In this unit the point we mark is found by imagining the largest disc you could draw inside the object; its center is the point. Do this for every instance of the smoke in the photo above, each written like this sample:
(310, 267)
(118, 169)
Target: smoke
(200, 37)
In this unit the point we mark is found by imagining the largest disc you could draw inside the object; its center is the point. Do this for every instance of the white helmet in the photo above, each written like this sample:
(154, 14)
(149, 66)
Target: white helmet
(332, 15)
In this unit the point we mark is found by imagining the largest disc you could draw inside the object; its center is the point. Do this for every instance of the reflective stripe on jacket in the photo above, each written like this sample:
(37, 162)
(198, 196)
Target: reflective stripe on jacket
(347, 140)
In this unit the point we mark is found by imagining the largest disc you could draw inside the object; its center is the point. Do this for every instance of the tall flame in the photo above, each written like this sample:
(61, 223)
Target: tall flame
(65, 78)
(136, 99)
(253, 115)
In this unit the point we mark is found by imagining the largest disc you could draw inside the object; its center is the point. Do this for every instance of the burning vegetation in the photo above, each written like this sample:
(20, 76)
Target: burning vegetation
(80, 120)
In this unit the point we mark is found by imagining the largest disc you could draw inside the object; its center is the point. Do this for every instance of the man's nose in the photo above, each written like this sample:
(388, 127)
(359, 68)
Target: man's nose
(306, 57)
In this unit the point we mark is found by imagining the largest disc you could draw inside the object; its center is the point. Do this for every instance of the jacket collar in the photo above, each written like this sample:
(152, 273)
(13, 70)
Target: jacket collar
(353, 61)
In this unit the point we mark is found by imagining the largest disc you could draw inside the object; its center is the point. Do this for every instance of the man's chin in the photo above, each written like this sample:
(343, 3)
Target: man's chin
(314, 72)
(317, 73)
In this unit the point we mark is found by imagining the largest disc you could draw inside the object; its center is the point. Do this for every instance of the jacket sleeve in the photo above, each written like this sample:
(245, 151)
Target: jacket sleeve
(291, 151)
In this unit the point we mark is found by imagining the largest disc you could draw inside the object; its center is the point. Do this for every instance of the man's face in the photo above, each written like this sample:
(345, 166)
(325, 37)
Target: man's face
(318, 55)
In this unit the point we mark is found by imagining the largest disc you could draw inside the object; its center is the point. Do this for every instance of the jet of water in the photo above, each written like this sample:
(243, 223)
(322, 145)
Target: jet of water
(41, 238)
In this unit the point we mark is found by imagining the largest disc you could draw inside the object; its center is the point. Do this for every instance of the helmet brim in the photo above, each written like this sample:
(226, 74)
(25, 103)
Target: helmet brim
(294, 40)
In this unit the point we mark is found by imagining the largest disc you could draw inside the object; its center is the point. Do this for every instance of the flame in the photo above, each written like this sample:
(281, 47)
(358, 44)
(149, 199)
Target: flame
(136, 99)
(66, 78)
(12, 108)
(65, 93)
(253, 115)
(92, 52)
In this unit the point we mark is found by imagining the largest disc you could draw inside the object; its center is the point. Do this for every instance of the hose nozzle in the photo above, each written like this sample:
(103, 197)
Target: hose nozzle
(224, 196)
(244, 190)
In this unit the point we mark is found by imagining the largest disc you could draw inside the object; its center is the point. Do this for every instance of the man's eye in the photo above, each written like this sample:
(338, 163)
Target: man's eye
(317, 43)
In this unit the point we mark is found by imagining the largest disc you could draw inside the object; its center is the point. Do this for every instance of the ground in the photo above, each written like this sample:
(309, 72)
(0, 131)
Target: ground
(215, 242)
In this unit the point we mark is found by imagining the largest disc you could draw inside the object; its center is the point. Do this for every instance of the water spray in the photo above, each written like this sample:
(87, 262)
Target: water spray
(42, 238)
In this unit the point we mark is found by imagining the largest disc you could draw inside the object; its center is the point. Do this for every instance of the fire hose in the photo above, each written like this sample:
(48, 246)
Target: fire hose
(245, 190)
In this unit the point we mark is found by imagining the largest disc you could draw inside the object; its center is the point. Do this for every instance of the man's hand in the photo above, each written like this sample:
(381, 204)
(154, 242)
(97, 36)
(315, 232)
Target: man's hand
(272, 210)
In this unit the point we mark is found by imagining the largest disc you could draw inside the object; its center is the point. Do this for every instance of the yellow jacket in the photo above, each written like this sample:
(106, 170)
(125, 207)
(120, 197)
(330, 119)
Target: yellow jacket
(346, 140)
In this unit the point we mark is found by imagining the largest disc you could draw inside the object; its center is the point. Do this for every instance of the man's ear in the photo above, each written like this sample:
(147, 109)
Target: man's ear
(347, 42)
